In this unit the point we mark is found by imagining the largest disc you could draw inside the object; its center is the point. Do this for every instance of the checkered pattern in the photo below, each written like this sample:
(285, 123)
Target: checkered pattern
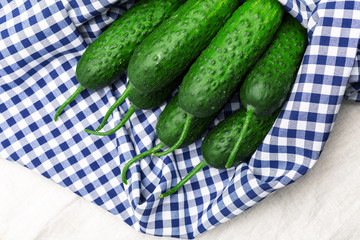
(40, 45)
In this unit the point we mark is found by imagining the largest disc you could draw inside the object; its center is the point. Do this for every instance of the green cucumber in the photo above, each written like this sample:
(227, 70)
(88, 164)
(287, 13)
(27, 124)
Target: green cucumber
(219, 142)
(266, 86)
(175, 128)
(108, 56)
(236, 138)
(217, 72)
(268, 83)
(166, 53)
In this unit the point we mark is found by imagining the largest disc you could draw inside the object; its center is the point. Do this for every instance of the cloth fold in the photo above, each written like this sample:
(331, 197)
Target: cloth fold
(40, 45)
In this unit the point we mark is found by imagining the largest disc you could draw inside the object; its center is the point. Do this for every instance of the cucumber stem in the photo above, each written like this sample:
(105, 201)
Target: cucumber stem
(182, 137)
(71, 98)
(195, 170)
(138, 157)
(117, 103)
(127, 116)
(236, 147)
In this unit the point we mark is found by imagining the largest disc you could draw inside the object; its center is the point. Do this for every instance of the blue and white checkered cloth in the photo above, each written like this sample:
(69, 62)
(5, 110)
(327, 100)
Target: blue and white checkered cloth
(41, 42)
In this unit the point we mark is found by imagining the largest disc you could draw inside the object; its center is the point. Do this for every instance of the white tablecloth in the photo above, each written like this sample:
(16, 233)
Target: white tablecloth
(324, 204)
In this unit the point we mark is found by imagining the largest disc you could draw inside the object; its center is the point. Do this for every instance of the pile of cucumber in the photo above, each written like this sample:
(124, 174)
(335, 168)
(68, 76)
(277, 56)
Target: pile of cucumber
(210, 49)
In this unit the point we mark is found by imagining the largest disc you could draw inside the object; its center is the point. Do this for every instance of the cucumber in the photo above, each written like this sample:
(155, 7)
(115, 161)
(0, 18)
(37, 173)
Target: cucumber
(218, 144)
(217, 72)
(267, 85)
(166, 53)
(108, 56)
(169, 130)
(236, 138)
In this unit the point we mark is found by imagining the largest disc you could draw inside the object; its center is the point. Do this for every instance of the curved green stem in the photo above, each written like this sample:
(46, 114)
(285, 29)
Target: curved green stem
(196, 169)
(71, 98)
(138, 157)
(117, 103)
(181, 138)
(236, 147)
(127, 116)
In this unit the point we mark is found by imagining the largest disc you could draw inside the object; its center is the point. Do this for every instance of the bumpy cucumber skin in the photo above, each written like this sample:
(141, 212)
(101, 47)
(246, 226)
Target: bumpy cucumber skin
(218, 143)
(217, 72)
(267, 85)
(171, 123)
(108, 56)
(167, 52)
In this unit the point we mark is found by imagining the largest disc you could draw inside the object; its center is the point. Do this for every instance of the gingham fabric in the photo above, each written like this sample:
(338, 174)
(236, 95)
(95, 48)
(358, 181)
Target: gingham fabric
(41, 42)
